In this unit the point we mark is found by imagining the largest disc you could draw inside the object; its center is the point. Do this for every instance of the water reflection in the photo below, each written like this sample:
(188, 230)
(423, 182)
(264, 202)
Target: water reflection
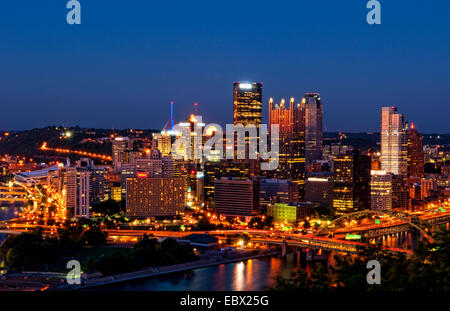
(256, 274)
(253, 275)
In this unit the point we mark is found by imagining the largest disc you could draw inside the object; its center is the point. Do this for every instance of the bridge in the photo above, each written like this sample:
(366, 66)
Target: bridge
(404, 222)
(12, 194)
(312, 243)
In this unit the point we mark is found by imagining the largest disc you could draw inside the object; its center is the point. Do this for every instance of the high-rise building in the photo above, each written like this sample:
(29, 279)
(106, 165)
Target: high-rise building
(312, 113)
(163, 142)
(388, 191)
(427, 185)
(96, 179)
(155, 197)
(247, 103)
(234, 197)
(119, 146)
(380, 190)
(155, 165)
(319, 189)
(416, 156)
(400, 193)
(77, 192)
(217, 170)
(393, 142)
(127, 171)
(291, 142)
(113, 191)
(351, 191)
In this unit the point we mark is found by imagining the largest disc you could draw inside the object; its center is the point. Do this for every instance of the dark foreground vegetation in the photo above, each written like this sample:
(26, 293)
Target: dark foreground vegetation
(32, 251)
(427, 270)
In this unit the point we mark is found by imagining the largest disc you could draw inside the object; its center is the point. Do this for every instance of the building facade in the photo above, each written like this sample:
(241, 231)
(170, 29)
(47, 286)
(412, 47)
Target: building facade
(312, 113)
(155, 197)
(291, 142)
(234, 197)
(416, 156)
(393, 141)
(351, 189)
(247, 103)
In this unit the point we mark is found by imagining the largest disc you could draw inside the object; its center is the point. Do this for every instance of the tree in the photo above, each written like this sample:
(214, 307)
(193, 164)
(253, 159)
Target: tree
(93, 237)
(109, 207)
(256, 223)
(426, 270)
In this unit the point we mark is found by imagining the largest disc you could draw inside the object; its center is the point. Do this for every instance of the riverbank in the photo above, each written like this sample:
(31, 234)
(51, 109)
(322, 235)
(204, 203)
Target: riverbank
(151, 272)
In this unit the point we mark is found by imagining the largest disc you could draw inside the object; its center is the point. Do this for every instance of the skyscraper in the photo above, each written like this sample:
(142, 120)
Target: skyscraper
(312, 113)
(416, 156)
(247, 110)
(77, 192)
(96, 179)
(380, 190)
(351, 190)
(119, 146)
(393, 141)
(247, 103)
(217, 170)
(291, 142)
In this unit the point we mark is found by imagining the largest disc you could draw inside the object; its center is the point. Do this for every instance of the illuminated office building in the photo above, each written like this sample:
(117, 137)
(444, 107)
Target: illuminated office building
(119, 147)
(96, 179)
(351, 189)
(400, 193)
(234, 197)
(77, 192)
(155, 165)
(128, 171)
(388, 191)
(393, 142)
(192, 131)
(283, 212)
(163, 142)
(319, 189)
(217, 170)
(312, 109)
(154, 197)
(247, 103)
(416, 156)
(380, 190)
(113, 191)
(427, 186)
(291, 142)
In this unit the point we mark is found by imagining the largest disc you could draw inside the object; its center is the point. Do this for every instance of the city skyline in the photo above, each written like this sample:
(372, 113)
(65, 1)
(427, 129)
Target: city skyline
(122, 66)
(221, 154)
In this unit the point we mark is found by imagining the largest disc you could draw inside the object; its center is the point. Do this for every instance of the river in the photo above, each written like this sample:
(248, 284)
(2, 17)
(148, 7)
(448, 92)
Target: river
(251, 275)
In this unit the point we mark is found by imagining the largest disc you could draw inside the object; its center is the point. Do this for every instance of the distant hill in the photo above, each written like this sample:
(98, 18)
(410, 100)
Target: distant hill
(27, 143)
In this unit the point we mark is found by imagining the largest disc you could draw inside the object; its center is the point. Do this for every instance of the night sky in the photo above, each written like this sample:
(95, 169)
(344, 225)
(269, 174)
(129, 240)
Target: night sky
(128, 59)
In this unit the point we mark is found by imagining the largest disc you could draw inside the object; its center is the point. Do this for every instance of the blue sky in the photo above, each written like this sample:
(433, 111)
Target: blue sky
(128, 59)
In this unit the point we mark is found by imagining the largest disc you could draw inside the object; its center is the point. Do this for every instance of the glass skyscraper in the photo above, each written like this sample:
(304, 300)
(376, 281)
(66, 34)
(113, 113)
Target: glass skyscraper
(247, 103)
(312, 113)
(393, 141)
